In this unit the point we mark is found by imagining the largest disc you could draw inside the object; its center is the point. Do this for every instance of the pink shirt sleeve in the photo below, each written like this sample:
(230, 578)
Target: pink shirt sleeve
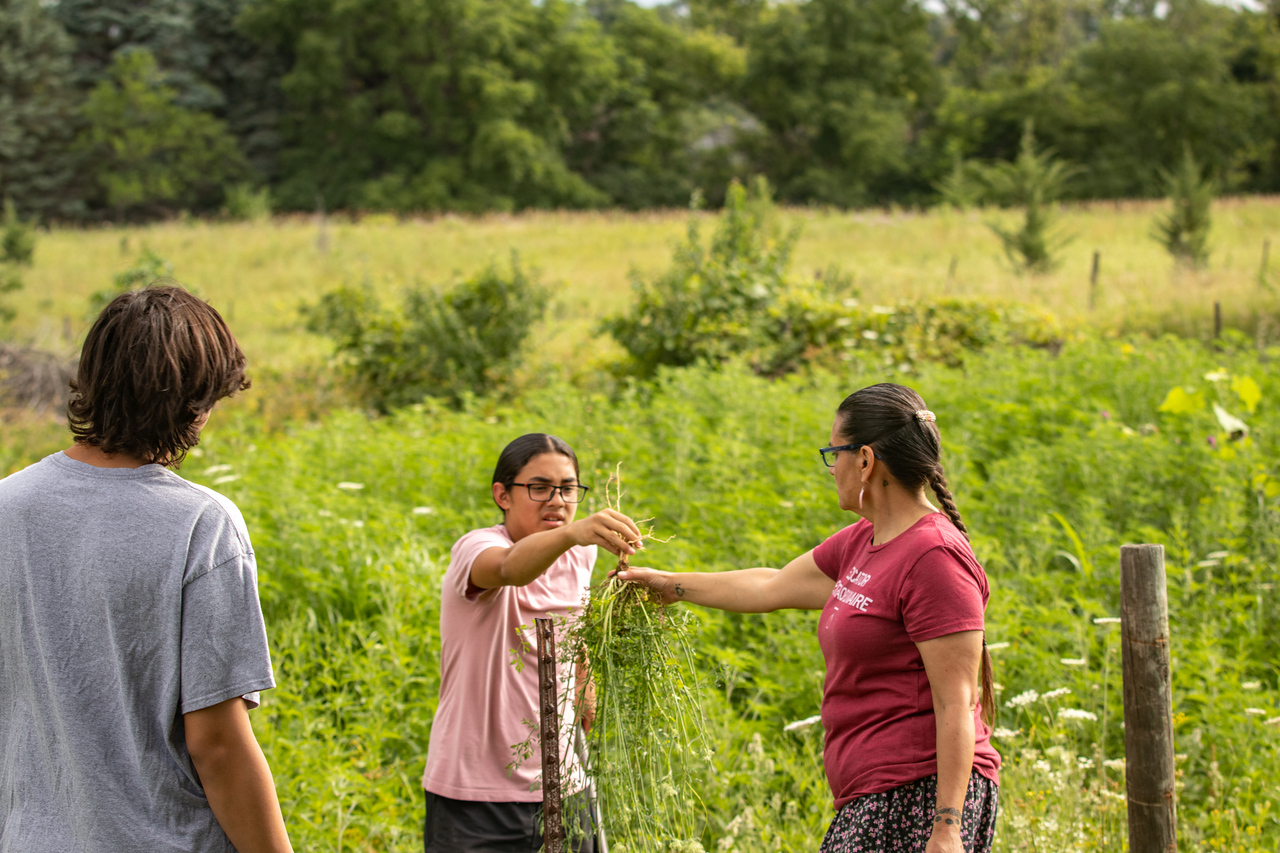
(942, 595)
(457, 578)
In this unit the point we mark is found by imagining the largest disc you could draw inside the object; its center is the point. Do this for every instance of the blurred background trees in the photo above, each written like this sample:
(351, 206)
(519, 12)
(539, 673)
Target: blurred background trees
(478, 105)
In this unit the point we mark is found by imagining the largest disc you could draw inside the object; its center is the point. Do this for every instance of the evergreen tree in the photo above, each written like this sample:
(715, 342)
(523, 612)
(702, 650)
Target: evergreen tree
(1034, 181)
(1184, 231)
(149, 153)
(38, 112)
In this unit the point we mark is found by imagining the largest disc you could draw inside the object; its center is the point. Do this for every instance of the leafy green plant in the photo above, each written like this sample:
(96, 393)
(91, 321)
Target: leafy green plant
(1034, 181)
(1184, 231)
(455, 343)
(246, 203)
(147, 269)
(17, 247)
(713, 302)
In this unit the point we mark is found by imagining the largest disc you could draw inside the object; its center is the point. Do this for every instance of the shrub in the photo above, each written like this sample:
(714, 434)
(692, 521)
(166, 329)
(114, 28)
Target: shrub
(455, 343)
(17, 248)
(246, 204)
(734, 299)
(147, 269)
(1184, 231)
(714, 302)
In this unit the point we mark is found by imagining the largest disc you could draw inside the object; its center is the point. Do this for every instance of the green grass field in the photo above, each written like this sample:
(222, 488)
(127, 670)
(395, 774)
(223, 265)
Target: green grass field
(259, 273)
(1056, 459)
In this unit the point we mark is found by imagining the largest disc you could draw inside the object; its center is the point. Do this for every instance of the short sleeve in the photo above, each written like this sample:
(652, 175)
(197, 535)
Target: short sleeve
(457, 578)
(224, 640)
(942, 594)
(830, 554)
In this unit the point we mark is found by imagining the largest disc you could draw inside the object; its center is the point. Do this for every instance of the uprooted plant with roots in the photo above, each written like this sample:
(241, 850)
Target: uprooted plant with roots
(648, 745)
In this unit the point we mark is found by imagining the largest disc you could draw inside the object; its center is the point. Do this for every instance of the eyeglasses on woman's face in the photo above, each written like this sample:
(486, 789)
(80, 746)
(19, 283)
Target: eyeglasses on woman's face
(829, 454)
(542, 492)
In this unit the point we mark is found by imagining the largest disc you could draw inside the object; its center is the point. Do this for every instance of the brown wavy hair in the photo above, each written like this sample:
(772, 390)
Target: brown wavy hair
(155, 361)
(885, 417)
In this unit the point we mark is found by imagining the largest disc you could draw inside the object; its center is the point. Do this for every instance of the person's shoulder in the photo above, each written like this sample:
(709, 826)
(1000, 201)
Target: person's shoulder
(497, 535)
(24, 477)
(853, 534)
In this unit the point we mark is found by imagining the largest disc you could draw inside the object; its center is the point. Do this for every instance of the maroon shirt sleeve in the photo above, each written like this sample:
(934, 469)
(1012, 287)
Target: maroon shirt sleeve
(942, 594)
(830, 554)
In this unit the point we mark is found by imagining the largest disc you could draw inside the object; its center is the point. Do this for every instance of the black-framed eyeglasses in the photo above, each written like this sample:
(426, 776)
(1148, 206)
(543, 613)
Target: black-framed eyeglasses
(829, 453)
(542, 492)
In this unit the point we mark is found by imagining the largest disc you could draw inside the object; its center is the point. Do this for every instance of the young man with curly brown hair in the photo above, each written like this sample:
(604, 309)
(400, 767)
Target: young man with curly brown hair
(132, 645)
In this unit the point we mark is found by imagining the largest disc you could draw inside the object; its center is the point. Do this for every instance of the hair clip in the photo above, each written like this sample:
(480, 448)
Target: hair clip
(926, 416)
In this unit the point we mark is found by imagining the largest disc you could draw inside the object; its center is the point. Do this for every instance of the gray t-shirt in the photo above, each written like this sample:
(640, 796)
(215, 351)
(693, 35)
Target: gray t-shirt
(128, 597)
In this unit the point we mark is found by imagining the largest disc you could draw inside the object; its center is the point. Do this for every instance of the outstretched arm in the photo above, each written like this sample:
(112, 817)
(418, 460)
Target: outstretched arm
(952, 663)
(236, 777)
(525, 561)
(799, 585)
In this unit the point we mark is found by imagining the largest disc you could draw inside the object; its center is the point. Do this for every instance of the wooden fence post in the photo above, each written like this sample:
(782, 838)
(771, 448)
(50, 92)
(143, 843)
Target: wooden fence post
(1217, 320)
(549, 735)
(1093, 279)
(1148, 700)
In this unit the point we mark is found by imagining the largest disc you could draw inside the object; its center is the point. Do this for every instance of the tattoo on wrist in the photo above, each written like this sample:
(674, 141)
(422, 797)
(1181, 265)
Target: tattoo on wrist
(949, 817)
(679, 590)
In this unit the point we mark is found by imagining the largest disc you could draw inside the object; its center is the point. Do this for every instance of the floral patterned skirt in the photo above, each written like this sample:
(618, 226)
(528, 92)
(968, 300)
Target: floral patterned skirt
(902, 819)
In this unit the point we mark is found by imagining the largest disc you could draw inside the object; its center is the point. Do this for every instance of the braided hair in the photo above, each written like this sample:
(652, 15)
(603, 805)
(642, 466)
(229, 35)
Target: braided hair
(902, 431)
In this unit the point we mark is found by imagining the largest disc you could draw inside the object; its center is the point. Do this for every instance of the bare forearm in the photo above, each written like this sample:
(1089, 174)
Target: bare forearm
(242, 794)
(955, 762)
(740, 591)
(527, 559)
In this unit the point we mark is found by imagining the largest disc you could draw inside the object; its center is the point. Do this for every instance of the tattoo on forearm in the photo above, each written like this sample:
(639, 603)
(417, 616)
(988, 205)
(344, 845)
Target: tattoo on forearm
(950, 817)
(679, 590)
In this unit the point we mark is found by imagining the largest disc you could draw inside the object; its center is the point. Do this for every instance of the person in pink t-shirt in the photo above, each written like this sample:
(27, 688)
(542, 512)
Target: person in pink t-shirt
(536, 563)
(908, 747)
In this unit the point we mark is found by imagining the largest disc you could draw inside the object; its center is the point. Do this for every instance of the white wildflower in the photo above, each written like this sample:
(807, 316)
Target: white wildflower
(351, 487)
(1054, 694)
(1084, 762)
(1114, 764)
(1115, 795)
(1076, 714)
(1024, 698)
(216, 469)
(324, 513)
(1005, 734)
(787, 504)
(881, 309)
(870, 334)
(1107, 620)
(994, 647)
(1252, 685)
(1218, 375)
(1043, 766)
(229, 478)
(424, 510)
(1256, 712)
(1073, 661)
(1218, 555)
(1274, 721)
(802, 724)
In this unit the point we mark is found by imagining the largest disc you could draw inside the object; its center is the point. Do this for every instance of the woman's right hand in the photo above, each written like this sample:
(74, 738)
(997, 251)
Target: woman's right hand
(609, 529)
(665, 584)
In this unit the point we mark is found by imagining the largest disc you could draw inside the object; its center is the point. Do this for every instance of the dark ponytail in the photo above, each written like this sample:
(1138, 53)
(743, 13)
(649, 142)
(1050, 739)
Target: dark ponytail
(894, 420)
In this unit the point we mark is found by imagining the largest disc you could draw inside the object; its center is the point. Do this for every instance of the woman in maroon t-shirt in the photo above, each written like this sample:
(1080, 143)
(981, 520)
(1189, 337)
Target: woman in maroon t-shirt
(908, 752)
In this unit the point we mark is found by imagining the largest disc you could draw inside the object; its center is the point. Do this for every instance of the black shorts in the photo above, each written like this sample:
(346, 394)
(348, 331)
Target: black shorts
(465, 826)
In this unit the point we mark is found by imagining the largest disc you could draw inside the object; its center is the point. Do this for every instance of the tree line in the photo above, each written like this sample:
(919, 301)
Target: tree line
(112, 109)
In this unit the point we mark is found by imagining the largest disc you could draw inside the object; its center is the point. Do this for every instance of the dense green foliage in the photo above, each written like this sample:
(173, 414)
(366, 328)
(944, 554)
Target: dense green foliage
(39, 104)
(735, 299)
(477, 105)
(455, 342)
(147, 149)
(1055, 462)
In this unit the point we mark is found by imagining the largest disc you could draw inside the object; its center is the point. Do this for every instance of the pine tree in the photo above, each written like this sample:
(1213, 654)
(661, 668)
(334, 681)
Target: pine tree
(39, 109)
(1184, 231)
